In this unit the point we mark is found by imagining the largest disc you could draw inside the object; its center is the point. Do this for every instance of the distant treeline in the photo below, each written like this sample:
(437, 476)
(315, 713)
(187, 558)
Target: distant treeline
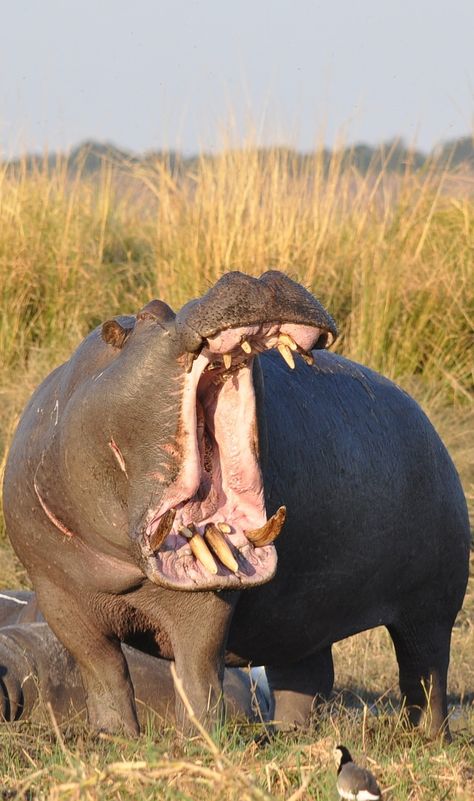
(393, 156)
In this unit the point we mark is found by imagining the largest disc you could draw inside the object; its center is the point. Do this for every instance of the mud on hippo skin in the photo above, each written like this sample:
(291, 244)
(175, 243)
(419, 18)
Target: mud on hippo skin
(158, 477)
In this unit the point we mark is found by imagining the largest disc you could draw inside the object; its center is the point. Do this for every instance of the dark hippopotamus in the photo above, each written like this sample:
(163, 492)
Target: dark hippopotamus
(36, 670)
(150, 477)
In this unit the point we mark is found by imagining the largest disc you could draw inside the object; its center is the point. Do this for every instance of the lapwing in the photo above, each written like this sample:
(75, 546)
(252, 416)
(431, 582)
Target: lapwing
(353, 782)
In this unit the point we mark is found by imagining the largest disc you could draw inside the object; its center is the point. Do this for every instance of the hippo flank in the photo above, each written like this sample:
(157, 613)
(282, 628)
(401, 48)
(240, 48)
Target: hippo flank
(157, 476)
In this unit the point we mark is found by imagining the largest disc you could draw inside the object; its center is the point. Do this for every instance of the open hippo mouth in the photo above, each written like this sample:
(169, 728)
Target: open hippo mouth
(211, 529)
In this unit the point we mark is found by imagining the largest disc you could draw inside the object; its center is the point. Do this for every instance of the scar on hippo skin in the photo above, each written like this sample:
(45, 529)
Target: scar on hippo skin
(50, 515)
(118, 455)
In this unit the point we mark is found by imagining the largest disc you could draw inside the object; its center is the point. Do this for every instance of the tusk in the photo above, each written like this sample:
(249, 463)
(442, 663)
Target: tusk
(286, 353)
(246, 346)
(224, 528)
(270, 531)
(227, 360)
(189, 361)
(217, 542)
(164, 527)
(199, 548)
(308, 358)
(285, 339)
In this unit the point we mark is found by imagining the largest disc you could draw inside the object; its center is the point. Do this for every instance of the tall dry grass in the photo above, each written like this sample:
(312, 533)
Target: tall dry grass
(392, 259)
(390, 256)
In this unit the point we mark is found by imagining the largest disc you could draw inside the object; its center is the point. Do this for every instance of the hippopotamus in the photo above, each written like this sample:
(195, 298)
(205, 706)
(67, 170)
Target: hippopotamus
(36, 671)
(215, 486)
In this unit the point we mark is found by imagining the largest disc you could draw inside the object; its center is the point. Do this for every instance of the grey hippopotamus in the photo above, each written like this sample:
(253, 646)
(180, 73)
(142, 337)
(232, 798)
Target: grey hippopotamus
(36, 670)
(215, 486)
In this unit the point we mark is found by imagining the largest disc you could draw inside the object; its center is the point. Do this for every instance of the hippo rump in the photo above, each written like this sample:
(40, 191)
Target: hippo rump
(214, 486)
(36, 671)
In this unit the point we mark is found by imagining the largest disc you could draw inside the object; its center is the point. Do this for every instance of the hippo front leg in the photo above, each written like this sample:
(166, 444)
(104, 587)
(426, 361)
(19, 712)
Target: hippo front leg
(78, 624)
(298, 689)
(198, 631)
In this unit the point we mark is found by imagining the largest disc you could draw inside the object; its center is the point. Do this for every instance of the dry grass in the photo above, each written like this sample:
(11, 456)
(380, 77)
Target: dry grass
(391, 258)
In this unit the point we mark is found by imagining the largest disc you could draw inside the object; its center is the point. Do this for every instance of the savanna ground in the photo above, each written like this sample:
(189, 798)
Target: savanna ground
(392, 258)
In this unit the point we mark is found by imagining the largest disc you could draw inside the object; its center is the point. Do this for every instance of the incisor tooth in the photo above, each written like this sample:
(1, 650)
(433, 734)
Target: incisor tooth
(202, 553)
(285, 339)
(216, 540)
(224, 527)
(199, 548)
(227, 360)
(246, 346)
(270, 531)
(164, 527)
(286, 353)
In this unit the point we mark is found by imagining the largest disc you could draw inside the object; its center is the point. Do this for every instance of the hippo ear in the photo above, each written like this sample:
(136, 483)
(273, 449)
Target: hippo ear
(156, 310)
(115, 334)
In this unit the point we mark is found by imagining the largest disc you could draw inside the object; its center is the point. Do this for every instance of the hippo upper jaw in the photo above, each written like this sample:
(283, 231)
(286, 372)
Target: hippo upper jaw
(210, 530)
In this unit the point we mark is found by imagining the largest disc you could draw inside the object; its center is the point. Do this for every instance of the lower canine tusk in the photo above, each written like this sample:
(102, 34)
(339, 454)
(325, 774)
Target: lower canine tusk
(164, 527)
(270, 531)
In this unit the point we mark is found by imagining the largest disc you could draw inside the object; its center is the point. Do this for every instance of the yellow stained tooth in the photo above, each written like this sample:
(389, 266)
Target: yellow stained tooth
(189, 361)
(164, 528)
(224, 527)
(285, 339)
(227, 360)
(202, 553)
(286, 353)
(269, 531)
(246, 346)
(216, 540)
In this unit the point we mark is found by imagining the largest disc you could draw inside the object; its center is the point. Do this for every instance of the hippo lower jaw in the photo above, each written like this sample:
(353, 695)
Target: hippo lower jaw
(211, 531)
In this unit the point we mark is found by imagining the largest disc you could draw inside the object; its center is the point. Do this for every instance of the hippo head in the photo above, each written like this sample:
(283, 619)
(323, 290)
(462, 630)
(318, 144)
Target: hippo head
(184, 427)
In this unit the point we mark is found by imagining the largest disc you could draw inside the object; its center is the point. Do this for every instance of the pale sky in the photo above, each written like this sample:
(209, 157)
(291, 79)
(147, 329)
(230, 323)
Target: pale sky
(148, 74)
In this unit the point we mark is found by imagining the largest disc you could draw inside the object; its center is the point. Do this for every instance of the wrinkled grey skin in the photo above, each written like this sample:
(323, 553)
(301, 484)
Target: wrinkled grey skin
(36, 671)
(376, 531)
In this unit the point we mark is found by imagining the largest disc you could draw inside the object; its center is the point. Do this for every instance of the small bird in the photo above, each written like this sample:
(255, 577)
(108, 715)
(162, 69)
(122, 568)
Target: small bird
(353, 782)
